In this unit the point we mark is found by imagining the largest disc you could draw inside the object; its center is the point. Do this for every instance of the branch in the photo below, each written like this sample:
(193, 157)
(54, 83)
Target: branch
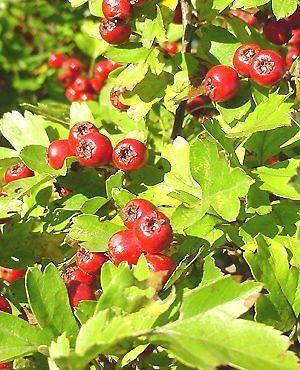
(186, 48)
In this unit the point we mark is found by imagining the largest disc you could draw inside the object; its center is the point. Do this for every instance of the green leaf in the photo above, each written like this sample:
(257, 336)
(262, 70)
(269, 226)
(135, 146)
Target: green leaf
(53, 315)
(115, 181)
(76, 3)
(283, 9)
(222, 186)
(13, 126)
(276, 179)
(129, 53)
(154, 29)
(80, 111)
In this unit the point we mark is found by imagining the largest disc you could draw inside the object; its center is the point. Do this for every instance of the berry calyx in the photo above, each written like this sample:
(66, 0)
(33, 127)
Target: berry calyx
(170, 47)
(73, 273)
(115, 31)
(278, 32)
(90, 262)
(79, 292)
(74, 66)
(124, 246)
(154, 232)
(162, 264)
(94, 150)
(56, 60)
(243, 56)
(134, 209)
(221, 83)
(78, 131)
(11, 275)
(115, 98)
(5, 305)
(120, 9)
(16, 172)
(130, 155)
(57, 153)
(266, 68)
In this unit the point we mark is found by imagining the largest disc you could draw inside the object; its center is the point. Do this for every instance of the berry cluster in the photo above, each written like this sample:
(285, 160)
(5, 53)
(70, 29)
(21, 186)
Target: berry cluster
(78, 86)
(148, 231)
(94, 149)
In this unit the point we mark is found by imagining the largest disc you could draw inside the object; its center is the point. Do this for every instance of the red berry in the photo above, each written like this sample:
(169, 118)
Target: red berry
(245, 16)
(272, 160)
(71, 94)
(85, 96)
(278, 32)
(73, 273)
(11, 275)
(65, 78)
(291, 56)
(102, 69)
(96, 84)
(90, 262)
(221, 83)
(57, 152)
(154, 232)
(94, 150)
(195, 104)
(115, 32)
(130, 155)
(162, 264)
(134, 209)
(78, 131)
(112, 65)
(62, 191)
(6, 365)
(74, 66)
(170, 47)
(79, 292)
(294, 19)
(5, 305)
(178, 14)
(16, 172)
(120, 9)
(295, 40)
(115, 98)
(243, 56)
(81, 84)
(56, 60)
(266, 68)
(124, 246)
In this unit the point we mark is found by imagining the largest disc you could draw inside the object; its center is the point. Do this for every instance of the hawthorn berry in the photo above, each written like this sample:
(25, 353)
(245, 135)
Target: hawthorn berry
(272, 160)
(124, 246)
(94, 150)
(161, 263)
(115, 98)
(246, 16)
(134, 209)
(243, 56)
(291, 56)
(11, 275)
(295, 40)
(56, 60)
(102, 70)
(120, 9)
(74, 66)
(90, 262)
(6, 365)
(79, 292)
(154, 232)
(57, 153)
(96, 84)
(81, 84)
(78, 131)
(115, 31)
(74, 273)
(178, 14)
(294, 19)
(5, 305)
(85, 96)
(16, 172)
(266, 68)
(170, 47)
(65, 78)
(62, 190)
(71, 94)
(130, 155)
(194, 105)
(221, 83)
(278, 32)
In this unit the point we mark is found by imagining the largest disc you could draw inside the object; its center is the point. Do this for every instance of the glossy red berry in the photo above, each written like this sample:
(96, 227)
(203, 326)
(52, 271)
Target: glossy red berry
(90, 262)
(79, 292)
(94, 150)
(102, 70)
(112, 65)
(120, 9)
(124, 246)
(73, 273)
(74, 66)
(294, 19)
(71, 94)
(5, 305)
(171, 48)
(130, 155)
(272, 160)
(78, 131)
(81, 84)
(57, 153)
(115, 31)
(85, 96)
(178, 14)
(278, 32)
(246, 16)
(266, 68)
(221, 83)
(65, 78)
(195, 104)
(16, 172)
(6, 365)
(134, 209)
(96, 84)
(154, 232)
(115, 98)
(163, 264)
(291, 56)
(56, 60)
(295, 40)
(243, 56)
(11, 275)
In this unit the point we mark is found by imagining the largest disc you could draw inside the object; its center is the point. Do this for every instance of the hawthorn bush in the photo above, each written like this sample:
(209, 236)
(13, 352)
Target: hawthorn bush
(153, 223)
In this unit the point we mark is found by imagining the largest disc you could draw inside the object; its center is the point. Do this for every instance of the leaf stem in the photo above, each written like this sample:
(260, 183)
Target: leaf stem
(187, 35)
